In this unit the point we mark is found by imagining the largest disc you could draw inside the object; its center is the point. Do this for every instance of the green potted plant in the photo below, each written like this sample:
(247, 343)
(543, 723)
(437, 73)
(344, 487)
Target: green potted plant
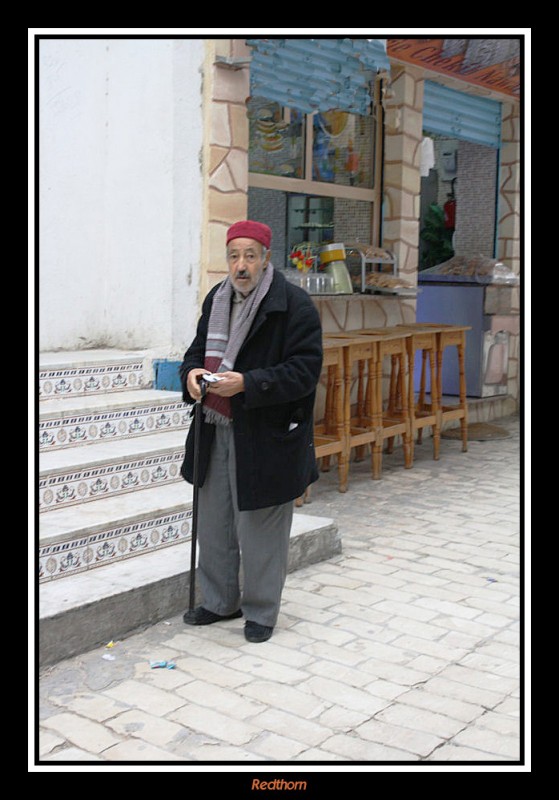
(436, 237)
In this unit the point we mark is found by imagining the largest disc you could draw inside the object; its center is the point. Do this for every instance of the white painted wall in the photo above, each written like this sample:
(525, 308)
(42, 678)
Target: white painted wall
(120, 194)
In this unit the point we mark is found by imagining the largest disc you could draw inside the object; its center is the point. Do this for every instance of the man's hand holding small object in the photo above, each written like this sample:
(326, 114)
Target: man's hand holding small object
(226, 384)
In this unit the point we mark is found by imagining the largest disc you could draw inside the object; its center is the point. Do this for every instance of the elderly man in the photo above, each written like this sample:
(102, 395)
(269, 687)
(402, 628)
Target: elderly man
(262, 336)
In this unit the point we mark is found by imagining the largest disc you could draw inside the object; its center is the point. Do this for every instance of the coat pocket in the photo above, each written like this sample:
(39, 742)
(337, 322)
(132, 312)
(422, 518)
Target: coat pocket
(287, 425)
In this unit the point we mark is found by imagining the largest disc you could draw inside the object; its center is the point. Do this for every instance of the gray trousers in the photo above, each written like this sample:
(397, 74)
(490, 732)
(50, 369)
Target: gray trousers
(254, 544)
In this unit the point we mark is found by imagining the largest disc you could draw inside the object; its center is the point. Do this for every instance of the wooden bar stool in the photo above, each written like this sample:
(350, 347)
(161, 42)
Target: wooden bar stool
(424, 414)
(396, 419)
(379, 423)
(451, 336)
(330, 435)
(454, 336)
(360, 361)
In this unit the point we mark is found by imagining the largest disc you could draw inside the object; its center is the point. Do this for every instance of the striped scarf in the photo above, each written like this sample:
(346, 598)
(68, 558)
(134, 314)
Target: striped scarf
(223, 344)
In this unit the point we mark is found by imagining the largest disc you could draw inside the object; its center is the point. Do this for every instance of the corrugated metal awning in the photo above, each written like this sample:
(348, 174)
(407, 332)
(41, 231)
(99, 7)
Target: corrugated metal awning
(461, 116)
(317, 74)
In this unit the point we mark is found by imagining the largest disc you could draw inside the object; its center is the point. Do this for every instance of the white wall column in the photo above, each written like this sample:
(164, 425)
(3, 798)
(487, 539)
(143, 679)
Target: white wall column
(120, 134)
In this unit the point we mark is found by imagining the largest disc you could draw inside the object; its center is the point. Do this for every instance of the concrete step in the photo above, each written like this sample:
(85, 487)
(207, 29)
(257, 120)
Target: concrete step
(91, 608)
(88, 372)
(74, 475)
(88, 536)
(74, 421)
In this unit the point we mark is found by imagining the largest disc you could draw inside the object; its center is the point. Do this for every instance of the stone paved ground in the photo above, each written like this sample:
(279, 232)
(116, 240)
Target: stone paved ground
(404, 650)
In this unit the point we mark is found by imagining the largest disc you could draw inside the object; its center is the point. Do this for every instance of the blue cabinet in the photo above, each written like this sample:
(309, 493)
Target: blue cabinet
(486, 346)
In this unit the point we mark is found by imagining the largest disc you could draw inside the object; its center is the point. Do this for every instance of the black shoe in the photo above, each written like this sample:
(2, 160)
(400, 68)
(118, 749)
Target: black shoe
(201, 616)
(254, 632)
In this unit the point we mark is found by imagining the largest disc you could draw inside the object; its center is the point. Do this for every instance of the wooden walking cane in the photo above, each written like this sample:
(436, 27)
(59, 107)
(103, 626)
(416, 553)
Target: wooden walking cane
(194, 530)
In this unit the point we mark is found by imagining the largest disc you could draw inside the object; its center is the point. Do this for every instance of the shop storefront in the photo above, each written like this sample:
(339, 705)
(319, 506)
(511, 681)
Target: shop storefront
(458, 267)
(360, 148)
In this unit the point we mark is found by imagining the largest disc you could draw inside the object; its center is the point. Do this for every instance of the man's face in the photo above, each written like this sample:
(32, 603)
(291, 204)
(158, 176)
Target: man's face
(246, 263)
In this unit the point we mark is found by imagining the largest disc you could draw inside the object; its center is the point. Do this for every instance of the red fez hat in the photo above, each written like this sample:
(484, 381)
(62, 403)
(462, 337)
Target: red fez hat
(248, 229)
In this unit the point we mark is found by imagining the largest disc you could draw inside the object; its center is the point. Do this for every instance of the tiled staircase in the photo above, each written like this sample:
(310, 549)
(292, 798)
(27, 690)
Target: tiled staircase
(114, 512)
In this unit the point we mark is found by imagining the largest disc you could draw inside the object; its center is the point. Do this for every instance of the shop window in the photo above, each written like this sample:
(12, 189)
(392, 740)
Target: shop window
(310, 219)
(341, 149)
(300, 221)
(277, 140)
(314, 178)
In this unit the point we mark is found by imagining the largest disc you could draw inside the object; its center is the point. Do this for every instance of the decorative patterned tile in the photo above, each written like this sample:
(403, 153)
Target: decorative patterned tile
(77, 381)
(102, 426)
(89, 483)
(106, 547)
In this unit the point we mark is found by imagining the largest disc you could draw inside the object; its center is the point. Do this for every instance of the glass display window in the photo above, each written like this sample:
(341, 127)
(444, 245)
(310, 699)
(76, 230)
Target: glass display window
(329, 147)
(277, 139)
(343, 149)
(315, 178)
(310, 223)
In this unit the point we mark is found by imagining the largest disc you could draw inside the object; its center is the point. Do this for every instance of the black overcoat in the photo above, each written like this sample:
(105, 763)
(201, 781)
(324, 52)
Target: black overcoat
(281, 360)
